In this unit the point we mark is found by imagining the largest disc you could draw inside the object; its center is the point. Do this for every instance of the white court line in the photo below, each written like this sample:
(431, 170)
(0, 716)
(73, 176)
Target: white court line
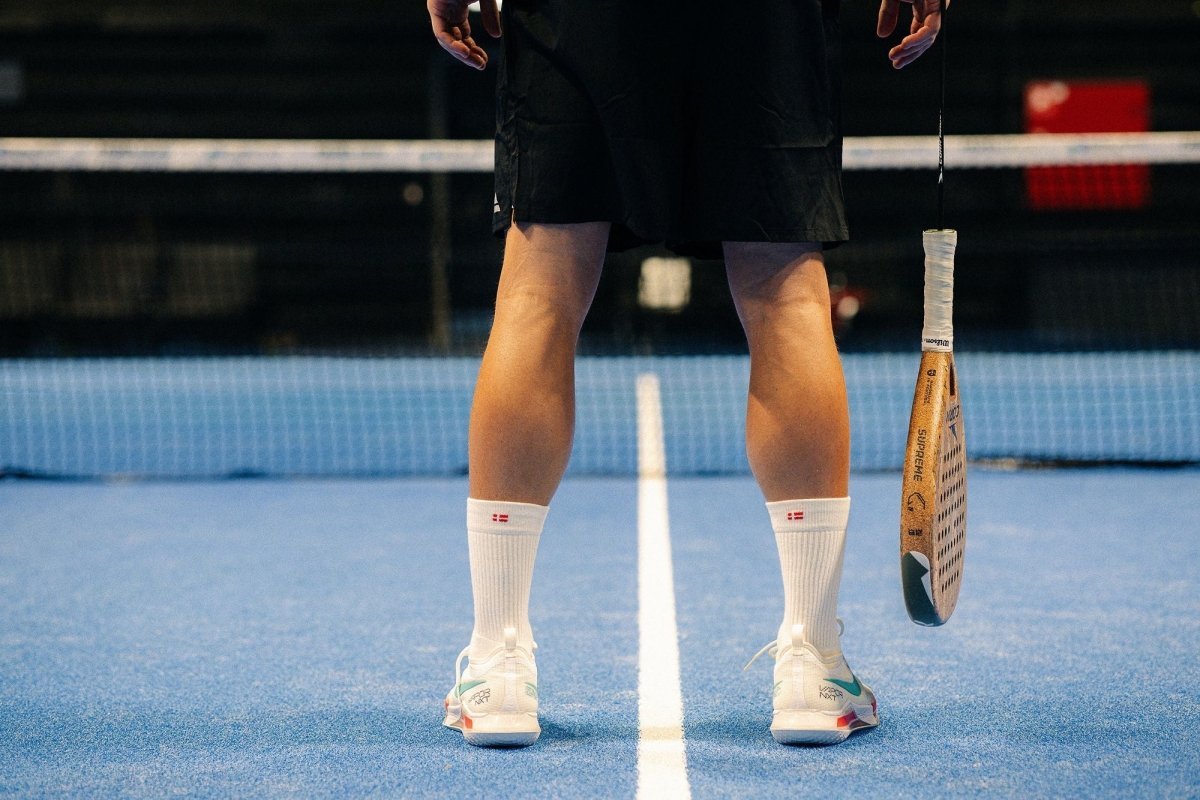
(662, 759)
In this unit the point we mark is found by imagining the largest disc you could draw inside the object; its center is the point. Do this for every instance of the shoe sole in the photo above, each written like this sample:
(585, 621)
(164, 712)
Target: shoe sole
(814, 727)
(495, 730)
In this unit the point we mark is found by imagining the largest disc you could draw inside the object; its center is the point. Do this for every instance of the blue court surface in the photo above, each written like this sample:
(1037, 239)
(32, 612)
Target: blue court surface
(295, 638)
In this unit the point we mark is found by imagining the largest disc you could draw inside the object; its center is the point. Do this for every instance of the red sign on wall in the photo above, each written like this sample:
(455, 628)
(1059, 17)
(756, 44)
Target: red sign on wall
(1087, 107)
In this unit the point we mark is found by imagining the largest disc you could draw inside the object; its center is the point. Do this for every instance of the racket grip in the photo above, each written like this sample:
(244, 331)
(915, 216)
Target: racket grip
(938, 331)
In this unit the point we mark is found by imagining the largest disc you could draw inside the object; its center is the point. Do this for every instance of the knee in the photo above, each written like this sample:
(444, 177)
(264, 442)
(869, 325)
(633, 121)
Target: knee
(550, 274)
(536, 306)
(778, 284)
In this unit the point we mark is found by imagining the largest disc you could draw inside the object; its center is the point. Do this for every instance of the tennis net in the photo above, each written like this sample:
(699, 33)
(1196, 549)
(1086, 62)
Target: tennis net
(206, 308)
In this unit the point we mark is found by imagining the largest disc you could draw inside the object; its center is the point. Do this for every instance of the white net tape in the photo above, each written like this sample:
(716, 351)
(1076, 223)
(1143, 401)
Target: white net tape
(342, 155)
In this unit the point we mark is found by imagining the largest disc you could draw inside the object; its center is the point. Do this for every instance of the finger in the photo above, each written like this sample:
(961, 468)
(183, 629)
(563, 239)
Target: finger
(443, 19)
(933, 20)
(491, 17)
(478, 57)
(912, 47)
(902, 61)
(465, 51)
(902, 58)
(452, 30)
(930, 13)
(889, 13)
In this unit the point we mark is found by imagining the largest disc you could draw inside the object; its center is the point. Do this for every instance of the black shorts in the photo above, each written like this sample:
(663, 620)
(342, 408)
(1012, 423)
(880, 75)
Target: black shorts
(685, 123)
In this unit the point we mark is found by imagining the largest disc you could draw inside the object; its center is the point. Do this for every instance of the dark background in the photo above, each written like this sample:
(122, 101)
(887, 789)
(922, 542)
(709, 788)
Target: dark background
(153, 263)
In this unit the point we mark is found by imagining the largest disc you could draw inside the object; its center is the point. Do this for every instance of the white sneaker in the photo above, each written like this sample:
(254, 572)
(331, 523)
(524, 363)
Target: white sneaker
(817, 699)
(494, 701)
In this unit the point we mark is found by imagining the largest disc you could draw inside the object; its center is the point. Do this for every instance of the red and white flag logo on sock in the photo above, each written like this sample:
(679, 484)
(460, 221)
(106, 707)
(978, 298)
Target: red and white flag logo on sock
(795, 515)
(499, 517)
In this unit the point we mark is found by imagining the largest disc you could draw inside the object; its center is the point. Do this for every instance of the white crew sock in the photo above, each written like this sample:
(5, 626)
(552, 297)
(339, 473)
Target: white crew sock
(811, 536)
(502, 540)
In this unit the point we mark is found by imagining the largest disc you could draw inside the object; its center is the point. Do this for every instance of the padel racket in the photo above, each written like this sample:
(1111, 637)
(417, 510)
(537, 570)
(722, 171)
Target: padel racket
(933, 509)
(933, 503)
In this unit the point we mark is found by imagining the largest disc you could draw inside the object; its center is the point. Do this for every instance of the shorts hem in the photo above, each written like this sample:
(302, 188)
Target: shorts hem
(626, 235)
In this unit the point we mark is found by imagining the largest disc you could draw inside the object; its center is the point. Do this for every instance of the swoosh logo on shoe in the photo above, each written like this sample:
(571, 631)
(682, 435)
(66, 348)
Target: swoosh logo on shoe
(467, 686)
(853, 688)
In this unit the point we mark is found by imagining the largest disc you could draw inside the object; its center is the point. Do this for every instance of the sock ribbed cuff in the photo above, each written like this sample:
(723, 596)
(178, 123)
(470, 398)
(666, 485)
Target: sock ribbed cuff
(817, 514)
(495, 516)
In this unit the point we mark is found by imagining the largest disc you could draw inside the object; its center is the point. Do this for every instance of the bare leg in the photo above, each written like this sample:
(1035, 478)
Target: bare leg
(797, 418)
(523, 416)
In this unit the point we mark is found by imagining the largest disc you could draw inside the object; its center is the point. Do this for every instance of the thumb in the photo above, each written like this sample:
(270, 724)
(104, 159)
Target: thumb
(889, 13)
(491, 17)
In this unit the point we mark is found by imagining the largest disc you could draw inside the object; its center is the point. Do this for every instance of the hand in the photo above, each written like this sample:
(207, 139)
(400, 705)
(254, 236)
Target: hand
(926, 22)
(453, 30)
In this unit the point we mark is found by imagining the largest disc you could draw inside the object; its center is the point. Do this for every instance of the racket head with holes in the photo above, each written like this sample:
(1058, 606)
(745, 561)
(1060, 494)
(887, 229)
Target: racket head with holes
(933, 511)
(933, 504)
